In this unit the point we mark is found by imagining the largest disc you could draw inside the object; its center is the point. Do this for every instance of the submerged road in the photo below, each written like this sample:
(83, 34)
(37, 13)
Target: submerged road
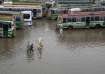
(78, 51)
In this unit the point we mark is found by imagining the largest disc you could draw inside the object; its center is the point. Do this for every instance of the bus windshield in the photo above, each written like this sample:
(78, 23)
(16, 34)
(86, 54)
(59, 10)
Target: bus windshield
(26, 16)
(53, 11)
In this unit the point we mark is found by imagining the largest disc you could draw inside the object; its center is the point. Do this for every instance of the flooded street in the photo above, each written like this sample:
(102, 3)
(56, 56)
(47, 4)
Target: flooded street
(78, 51)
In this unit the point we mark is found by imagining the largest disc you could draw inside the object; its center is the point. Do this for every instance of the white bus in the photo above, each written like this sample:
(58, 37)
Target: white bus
(27, 17)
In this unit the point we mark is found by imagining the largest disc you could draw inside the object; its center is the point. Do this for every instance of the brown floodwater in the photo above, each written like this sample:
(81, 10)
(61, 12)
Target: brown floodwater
(78, 51)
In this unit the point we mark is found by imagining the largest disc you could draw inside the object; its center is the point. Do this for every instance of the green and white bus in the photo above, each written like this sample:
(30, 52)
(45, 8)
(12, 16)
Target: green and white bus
(82, 20)
(53, 14)
(13, 16)
(7, 29)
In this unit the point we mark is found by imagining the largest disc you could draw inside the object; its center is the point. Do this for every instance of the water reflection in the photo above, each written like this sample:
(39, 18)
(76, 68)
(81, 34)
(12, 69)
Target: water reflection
(6, 48)
(39, 53)
(30, 56)
(78, 37)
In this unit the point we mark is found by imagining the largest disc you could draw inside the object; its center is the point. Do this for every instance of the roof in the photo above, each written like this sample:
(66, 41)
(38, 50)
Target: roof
(78, 14)
(22, 6)
(6, 18)
(9, 12)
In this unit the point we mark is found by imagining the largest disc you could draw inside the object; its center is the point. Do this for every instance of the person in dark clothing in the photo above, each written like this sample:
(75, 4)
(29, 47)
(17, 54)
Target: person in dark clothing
(30, 48)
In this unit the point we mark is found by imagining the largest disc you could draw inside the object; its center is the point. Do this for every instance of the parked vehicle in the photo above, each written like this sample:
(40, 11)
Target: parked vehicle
(7, 28)
(81, 19)
(27, 17)
(13, 16)
(37, 12)
(18, 7)
(53, 14)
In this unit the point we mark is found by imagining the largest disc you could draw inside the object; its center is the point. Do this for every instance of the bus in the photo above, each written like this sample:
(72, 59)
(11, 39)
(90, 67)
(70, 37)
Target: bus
(36, 9)
(15, 16)
(82, 20)
(37, 12)
(27, 17)
(7, 29)
(54, 12)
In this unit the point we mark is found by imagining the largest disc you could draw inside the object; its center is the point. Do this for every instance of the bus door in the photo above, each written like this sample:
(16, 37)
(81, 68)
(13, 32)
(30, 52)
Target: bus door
(87, 21)
(34, 13)
(5, 30)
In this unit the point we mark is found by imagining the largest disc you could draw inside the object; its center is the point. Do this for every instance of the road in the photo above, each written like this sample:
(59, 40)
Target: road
(78, 51)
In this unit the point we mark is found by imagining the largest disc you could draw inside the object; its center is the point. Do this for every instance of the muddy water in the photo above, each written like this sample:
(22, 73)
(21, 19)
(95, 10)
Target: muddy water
(79, 51)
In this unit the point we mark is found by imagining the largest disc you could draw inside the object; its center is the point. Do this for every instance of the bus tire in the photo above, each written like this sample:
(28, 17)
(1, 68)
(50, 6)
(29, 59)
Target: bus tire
(97, 26)
(70, 27)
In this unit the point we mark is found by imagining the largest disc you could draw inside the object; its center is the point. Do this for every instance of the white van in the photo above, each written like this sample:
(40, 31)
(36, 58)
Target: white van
(27, 17)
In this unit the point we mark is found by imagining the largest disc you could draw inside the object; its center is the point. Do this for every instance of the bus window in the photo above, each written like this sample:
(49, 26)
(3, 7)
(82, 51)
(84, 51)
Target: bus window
(64, 20)
(96, 18)
(65, 11)
(1, 25)
(52, 12)
(92, 18)
(101, 18)
(69, 19)
(104, 18)
(9, 25)
(34, 12)
(73, 19)
(88, 21)
(83, 19)
(78, 19)
(26, 16)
